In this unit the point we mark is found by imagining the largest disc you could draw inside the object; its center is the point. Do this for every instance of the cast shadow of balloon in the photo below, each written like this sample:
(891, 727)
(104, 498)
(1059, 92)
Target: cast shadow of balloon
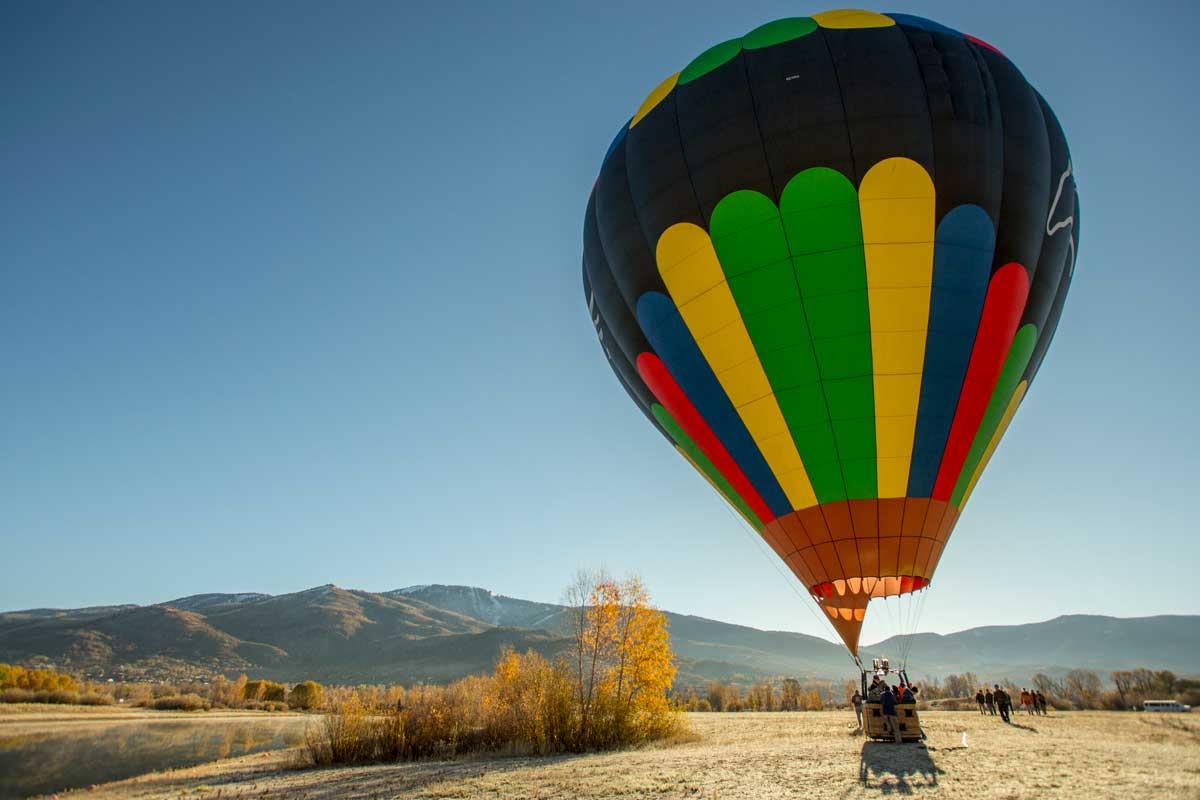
(897, 768)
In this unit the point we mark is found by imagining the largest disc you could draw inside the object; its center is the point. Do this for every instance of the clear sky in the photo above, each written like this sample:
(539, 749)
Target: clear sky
(291, 295)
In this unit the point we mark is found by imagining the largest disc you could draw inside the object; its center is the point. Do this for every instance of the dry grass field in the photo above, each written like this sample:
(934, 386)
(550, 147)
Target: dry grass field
(1079, 755)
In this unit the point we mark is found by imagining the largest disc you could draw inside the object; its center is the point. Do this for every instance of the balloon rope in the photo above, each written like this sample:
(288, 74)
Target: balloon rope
(910, 625)
(804, 599)
(887, 606)
(920, 609)
(900, 638)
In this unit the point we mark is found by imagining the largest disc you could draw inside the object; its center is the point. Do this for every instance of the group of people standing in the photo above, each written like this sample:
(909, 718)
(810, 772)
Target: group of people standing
(991, 702)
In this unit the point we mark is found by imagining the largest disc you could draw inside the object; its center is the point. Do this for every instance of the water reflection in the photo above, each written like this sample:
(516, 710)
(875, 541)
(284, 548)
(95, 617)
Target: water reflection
(72, 755)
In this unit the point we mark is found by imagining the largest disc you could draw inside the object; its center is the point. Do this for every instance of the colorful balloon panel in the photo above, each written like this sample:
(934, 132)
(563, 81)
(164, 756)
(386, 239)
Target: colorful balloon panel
(825, 260)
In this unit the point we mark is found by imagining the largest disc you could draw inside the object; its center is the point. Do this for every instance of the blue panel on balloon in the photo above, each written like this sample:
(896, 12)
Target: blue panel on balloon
(671, 340)
(962, 262)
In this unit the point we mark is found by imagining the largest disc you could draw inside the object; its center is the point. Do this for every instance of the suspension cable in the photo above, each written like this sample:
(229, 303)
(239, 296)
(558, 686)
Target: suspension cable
(804, 599)
(887, 607)
(917, 622)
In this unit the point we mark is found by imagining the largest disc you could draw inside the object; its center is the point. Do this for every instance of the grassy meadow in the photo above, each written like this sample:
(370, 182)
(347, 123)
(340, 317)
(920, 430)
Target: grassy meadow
(1085, 754)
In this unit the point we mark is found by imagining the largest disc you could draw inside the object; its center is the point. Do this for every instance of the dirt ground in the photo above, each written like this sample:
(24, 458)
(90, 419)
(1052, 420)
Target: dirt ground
(1088, 754)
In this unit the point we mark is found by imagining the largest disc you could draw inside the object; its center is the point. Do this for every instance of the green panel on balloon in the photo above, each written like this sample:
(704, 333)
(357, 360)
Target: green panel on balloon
(746, 226)
(790, 368)
(840, 314)
(747, 235)
(709, 60)
(699, 459)
(1010, 375)
(861, 476)
(776, 328)
(765, 287)
(845, 357)
(817, 439)
(827, 478)
(824, 233)
(778, 32)
(850, 398)
(810, 246)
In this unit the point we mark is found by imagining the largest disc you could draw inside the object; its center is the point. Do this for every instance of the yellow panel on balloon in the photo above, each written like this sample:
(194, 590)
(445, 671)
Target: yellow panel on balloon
(897, 205)
(684, 262)
(696, 282)
(848, 18)
(654, 98)
(780, 451)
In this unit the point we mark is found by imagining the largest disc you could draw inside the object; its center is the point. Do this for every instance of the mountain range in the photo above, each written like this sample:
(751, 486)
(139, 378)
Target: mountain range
(438, 633)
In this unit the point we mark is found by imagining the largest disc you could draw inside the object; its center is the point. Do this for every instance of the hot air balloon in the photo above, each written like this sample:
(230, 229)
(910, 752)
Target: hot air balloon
(825, 260)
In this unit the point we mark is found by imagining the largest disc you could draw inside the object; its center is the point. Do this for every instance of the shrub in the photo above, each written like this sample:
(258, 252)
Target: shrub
(15, 696)
(225, 693)
(30, 696)
(35, 680)
(953, 704)
(180, 702)
(610, 692)
(306, 696)
(265, 690)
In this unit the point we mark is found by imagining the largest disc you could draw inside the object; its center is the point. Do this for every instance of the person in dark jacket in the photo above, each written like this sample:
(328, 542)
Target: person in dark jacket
(1003, 701)
(990, 699)
(890, 719)
(979, 700)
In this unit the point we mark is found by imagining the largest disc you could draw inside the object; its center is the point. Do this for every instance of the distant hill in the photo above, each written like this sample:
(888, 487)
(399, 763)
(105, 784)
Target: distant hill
(707, 648)
(494, 609)
(437, 633)
(1104, 643)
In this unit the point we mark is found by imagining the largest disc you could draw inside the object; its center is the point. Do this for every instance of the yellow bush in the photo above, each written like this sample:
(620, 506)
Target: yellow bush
(36, 680)
(265, 690)
(306, 696)
(609, 691)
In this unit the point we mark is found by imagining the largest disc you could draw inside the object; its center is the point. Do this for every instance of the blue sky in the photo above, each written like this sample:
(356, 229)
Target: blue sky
(291, 295)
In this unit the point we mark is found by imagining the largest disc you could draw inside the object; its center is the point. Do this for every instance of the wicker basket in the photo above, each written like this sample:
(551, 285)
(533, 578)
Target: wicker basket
(874, 727)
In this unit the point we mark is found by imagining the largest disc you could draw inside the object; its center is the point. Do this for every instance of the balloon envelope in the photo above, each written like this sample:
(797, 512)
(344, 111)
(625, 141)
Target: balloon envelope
(825, 260)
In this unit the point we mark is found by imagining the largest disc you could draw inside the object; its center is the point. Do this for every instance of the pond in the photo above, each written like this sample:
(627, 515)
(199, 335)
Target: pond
(44, 757)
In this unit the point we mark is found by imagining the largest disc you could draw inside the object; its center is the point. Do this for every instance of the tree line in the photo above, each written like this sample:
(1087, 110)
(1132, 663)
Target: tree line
(20, 684)
(1078, 689)
(788, 695)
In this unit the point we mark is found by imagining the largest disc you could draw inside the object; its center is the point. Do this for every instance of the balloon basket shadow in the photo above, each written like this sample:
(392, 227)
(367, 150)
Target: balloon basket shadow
(897, 770)
(874, 726)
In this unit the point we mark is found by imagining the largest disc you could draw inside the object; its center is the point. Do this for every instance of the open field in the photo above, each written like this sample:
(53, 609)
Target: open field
(14, 714)
(46, 748)
(1085, 754)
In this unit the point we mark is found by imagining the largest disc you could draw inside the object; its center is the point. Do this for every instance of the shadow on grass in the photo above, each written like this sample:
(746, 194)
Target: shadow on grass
(1173, 725)
(398, 778)
(1023, 727)
(897, 768)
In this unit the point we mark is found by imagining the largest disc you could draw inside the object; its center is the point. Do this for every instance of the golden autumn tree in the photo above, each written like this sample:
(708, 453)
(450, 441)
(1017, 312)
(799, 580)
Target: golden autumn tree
(621, 662)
